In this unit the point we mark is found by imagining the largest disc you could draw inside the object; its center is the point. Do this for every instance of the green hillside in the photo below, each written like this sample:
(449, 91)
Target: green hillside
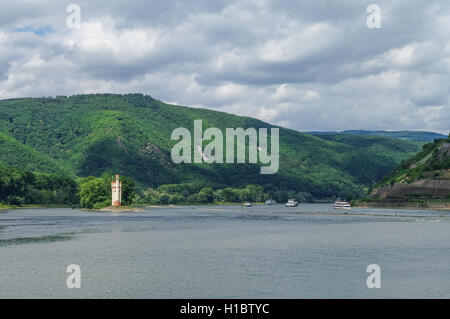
(421, 181)
(415, 136)
(130, 135)
(432, 162)
(17, 154)
(389, 147)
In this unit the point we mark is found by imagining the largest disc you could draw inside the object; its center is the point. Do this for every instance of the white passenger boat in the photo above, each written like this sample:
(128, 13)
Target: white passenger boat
(291, 203)
(342, 204)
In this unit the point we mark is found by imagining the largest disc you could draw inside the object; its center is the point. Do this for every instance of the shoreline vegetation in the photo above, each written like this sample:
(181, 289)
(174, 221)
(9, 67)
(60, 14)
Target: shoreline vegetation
(31, 206)
(24, 189)
(94, 193)
(46, 165)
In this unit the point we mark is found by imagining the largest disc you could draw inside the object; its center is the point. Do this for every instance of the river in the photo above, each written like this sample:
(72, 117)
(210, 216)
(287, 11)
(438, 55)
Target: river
(310, 251)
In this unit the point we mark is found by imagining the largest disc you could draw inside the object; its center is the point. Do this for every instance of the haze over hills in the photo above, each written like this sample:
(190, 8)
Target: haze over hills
(418, 136)
(130, 134)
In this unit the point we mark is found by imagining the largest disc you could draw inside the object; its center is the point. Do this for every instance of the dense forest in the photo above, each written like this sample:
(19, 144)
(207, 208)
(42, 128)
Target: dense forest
(20, 187)
(90, 135)
(415, 136)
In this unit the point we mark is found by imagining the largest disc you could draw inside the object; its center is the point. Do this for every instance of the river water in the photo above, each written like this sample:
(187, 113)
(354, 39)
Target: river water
(310, 251)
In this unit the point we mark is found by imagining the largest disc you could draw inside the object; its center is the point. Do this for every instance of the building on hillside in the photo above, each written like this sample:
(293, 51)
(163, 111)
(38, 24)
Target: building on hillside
(116, 191)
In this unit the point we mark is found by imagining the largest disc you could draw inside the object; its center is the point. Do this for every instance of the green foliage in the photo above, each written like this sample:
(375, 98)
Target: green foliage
(89, 135)
(205, 195)
(414, 136)
(128, 194)
(18, 187)
(95, 192)
(189, 194)
(16, 154)
(431, 162)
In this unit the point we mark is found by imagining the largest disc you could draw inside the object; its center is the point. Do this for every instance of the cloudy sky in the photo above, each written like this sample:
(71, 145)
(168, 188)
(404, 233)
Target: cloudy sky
(307, 65)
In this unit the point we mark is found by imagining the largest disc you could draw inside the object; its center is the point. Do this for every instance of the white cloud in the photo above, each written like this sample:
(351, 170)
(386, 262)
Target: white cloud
(302, 64)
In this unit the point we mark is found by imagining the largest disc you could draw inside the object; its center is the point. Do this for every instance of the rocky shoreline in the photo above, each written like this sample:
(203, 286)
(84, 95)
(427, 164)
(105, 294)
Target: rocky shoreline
(428, 205)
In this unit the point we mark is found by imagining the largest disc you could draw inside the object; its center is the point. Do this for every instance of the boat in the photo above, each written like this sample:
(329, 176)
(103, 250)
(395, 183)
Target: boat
(271, 202)
(341, 204)
(246, 204)
(291, 203)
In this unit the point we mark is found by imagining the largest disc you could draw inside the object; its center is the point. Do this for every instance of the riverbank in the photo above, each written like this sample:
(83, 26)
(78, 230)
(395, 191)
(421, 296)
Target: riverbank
(105, 209)
(443, 205)
(5, 207)
(137, 206)
(430, 204)
(117, 209)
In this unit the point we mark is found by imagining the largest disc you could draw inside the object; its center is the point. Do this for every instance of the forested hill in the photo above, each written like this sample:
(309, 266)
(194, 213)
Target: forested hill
(130, 134)
(419, 179)
(433, 162)
(417, 136)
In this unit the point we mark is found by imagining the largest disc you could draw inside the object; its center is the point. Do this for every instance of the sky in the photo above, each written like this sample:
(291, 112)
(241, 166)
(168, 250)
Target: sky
(306, 65)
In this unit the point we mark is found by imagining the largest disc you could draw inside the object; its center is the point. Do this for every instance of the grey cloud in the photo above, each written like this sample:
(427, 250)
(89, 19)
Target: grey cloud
(308, 65)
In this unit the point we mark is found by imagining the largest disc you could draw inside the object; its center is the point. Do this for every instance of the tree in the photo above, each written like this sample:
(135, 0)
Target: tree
(206, 195)
(219, 196)
(244, 195)
(164, 199)
(94, 193)
(230, 195)
(128, 194)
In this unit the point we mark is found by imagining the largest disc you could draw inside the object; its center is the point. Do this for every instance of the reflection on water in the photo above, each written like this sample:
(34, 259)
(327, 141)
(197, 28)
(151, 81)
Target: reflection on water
(310, 251)
(34, 240)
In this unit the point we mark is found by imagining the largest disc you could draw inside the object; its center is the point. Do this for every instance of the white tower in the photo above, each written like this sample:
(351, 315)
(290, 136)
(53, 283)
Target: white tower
(116, 191)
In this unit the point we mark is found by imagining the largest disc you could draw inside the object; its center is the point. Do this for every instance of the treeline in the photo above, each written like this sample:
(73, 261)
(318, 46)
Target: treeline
(21, 187)
(196, 194)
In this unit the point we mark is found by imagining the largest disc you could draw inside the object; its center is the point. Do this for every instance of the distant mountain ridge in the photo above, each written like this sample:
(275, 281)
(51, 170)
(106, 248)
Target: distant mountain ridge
(417, 136)
(130, 134)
